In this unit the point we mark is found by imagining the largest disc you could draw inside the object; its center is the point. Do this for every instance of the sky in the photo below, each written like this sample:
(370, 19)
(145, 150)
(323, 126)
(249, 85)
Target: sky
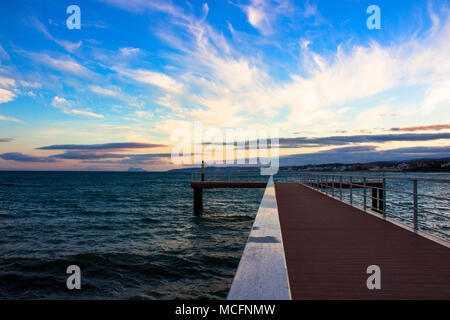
(110, 95)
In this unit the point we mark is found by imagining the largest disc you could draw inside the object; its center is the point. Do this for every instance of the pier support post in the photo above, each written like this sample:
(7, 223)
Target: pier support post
(198, 200)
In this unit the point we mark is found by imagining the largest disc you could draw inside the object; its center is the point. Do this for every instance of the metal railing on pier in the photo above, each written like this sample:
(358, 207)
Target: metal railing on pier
(421, 204)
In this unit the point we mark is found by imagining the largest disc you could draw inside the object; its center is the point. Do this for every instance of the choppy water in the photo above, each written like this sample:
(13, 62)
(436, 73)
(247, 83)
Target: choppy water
(135, 236)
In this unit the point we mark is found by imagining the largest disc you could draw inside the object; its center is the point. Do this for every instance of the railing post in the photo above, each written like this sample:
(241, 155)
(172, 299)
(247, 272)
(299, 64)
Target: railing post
(351, 191)
(328, 185)
(364, 190)
(383, 197)
(415, 200)
(332, 186)
(340, 188)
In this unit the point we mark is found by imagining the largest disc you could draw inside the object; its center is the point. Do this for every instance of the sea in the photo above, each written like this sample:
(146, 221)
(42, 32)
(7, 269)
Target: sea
(134, 235)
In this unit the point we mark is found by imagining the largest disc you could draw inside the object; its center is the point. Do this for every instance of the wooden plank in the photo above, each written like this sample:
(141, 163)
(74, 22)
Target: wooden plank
(329, 245)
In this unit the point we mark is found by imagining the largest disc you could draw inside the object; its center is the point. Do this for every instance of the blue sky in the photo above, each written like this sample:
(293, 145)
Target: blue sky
(137, 70)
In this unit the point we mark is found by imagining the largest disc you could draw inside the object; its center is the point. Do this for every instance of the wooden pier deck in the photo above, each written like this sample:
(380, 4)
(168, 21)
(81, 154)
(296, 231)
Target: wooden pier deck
(329, 245)
(198, 187)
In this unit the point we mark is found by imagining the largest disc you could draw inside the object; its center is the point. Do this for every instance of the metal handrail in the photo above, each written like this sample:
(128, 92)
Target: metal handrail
(377, 177)
(326, 183)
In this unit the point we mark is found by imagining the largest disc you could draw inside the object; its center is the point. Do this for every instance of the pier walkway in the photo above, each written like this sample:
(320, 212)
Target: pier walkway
(323, 236)
(329, 245)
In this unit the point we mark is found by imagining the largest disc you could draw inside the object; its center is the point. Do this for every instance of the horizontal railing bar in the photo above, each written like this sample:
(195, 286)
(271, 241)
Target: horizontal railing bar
(419, 209)
(420, 224)
(402, 192)
(378, 177)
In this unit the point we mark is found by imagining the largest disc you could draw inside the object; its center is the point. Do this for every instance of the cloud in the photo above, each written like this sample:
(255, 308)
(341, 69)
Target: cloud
(257, 17)
(305, 97)
(343, 140)
(77, 155)
(350, 149)
(304, 142)
(7, 82)
(111, 158)
(154, 78)
(3, 54)
(6, 95)
(435, 127)
(438, 95)
(4, 118)
(143, 114)
(152, 158)
(104, 91)
(66, 107)
(60, 103)
(263, 14)
(365, 156)
(86, 113)
(20, 157)
(129, 51)
(6, 139)
(141, 5)
(106, 146)
(64, 64)
(69, 46)
(206, 87)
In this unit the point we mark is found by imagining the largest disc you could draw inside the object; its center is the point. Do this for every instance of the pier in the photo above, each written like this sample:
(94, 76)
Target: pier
(198, 187)
(329, 245)
(312, 241)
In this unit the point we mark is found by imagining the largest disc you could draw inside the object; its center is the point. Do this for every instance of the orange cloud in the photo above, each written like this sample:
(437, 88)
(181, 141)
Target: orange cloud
(435, 127)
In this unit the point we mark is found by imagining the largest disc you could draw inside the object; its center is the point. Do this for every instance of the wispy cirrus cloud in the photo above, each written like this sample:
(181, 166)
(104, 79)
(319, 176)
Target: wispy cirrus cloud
(142, 5)
(4, 118)
(113, 92)
(63, 64)
(69, 46)
(154, 78)
(263, 14)
(129, 51)
(217, 97)
(67, 107)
